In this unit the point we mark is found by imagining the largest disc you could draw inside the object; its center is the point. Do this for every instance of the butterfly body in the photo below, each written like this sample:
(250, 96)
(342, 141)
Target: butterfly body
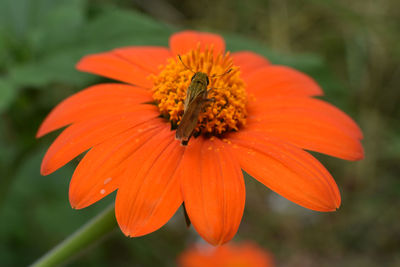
(196, 98)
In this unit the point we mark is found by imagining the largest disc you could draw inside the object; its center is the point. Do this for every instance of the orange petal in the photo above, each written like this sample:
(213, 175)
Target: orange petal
(314, 137)
(280, 80)
(287, 170)
(249, 61)
(213, 189)
(81, 136)
(100, 172)
(150, 193)
(113, 66)
(243, 254)
(183, 42)
(308, 123)
(94, 101)
(312, 108)
(148, 58)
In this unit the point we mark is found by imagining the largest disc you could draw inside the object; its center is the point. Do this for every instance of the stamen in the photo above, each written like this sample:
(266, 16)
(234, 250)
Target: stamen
(227, 111)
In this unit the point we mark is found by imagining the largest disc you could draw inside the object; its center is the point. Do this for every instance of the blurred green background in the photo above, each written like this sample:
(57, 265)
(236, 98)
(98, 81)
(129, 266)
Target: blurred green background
(352, 48)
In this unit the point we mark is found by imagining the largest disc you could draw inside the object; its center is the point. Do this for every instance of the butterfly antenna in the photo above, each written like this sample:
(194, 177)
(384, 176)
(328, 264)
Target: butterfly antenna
(179, 56)
(226, 72)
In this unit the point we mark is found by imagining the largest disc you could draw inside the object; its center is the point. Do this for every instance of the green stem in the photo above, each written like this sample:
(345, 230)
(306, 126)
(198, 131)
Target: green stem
(93, 230)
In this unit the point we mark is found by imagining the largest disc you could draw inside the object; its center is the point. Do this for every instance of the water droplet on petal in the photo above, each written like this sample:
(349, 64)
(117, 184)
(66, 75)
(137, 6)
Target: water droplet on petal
(251, 152)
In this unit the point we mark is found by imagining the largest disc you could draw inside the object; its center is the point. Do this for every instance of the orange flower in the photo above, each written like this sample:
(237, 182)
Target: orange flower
(229, 255)
(261, 118)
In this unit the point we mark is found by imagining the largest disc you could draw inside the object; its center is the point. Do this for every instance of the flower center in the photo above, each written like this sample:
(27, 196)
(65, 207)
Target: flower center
(226, 108)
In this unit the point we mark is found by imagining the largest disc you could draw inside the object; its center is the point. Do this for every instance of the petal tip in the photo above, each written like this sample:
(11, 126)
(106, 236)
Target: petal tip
(331, 207)
(81, 65)
(75, 204)
(127, 231)
(44, 170)
(39, 133)
(358, 154)
(43, 129)
(217, 241)
(361, 155)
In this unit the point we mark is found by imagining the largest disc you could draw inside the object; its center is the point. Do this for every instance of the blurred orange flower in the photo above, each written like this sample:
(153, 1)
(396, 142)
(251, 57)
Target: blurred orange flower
(229, 255)
(261, 119)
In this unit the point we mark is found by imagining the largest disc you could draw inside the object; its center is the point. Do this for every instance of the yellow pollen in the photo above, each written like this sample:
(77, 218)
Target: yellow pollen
(227, 110)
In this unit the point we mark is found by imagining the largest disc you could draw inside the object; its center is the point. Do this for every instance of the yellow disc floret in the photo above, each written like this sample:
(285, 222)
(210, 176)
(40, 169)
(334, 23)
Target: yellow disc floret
(227, 109)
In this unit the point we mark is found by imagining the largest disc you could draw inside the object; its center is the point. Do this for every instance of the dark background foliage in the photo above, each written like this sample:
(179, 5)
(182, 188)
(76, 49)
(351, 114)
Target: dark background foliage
(350, 47)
